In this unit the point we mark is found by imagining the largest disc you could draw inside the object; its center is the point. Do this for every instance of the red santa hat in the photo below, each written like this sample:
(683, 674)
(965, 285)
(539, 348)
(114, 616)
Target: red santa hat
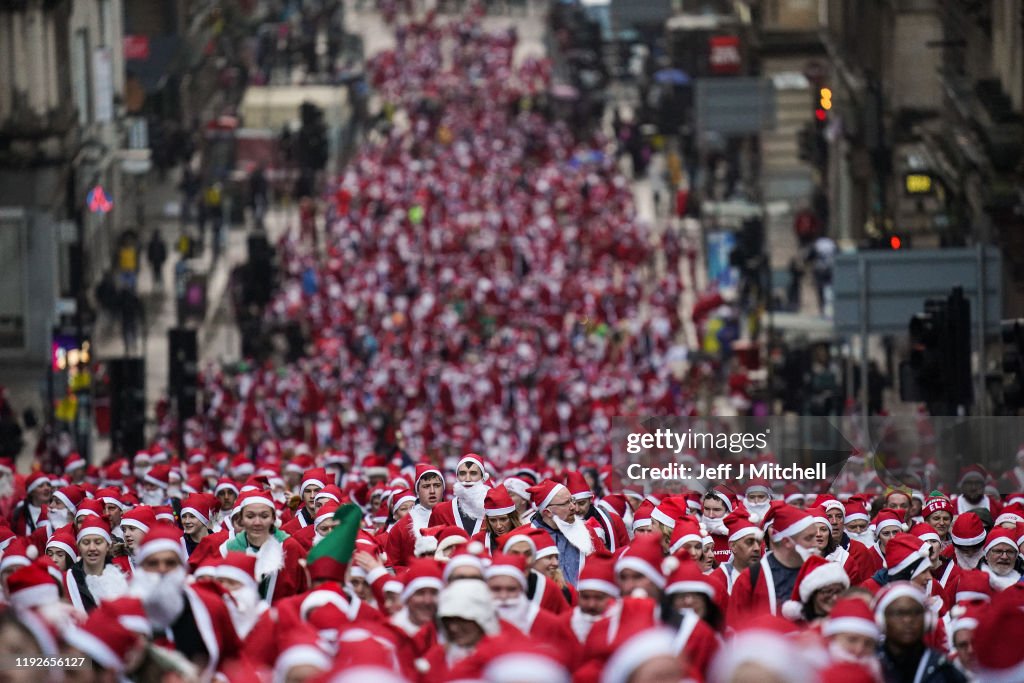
(498, 502)
(201, 505)
(895, 590)
(598, 574)
(967, 530)
(34, 481)
(71, 497)
(643, 556)
(142, 518)
(422, 573)
(242, 466)
(685, 576)
(158, 475)
(544, 492)
(474, 459)
(111, 496)
(238, 566)
(669, 510)
(160, 538)
(225, 484)
(815, 573)
(741, 524)
(518, 486)
(633, 650)
(326, 512)
(1011, 514)
(301, 648)
(785, 520)
(400, 498)
(254, 498)
(544, 544)
(90, 507)
(904, 551)
(925, 531)
(516, 659)
(330, 492)
(855, 512)
(963, 617)
(642, 515)
(686, 529)
(315, 477)
(299, 464)
(727, 498)
(827, 501)
(94, 527)
(103, 639)
(759, 486)
(850, 615)
(73, 462)
(31, 586)
(64, 539)
(792, 493)
(1000, 536)
(423, 469)
(846, 672)
(1000, 625)
(888, 518)
(513, 566)
(522, 534)
(973, 585)
(577, 485)
(976, 472)
(20, 553)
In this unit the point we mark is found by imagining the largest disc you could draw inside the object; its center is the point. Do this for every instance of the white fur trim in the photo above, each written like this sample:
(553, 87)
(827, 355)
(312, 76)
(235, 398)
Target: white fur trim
(269, 560)
(973, 540)
(921, 554)
(793, 529)
(746, 531)
(506, 570)
(635, 652)
(825, 575)
(1000, 540)
(792, 610)
(496, 512)
(425, 545)
(36, 484)
(657, 514)
(144, 528)
(545, 552)
(513, 667)
(62, 497)
(200, 516)
(642, 567)
(93, 531)
(519, 538)
(555, 490)
(900, 590)
(862, 627)
(683, 540)
(970, 596)
(92, 646)
(641, 523)
(306, 483)
(420, 583)
(300, 655)
(476, 460)
(35, 596)
(856, 517)
(70, 551)
(930, 536)
(691, 587)
(461, 560)
(599, 585)
(225, 486)
(159, 545)
(235, 574)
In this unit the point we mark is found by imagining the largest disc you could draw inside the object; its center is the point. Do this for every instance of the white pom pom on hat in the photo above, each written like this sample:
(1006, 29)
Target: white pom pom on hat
(669, 565)
(792, 610)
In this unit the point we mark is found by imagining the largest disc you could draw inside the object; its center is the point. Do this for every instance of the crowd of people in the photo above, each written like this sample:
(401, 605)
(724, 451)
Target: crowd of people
(482, 287)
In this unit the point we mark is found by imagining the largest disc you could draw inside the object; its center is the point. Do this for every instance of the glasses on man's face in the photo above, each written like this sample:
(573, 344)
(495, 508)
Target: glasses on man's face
(559, 505)
(1003, 552)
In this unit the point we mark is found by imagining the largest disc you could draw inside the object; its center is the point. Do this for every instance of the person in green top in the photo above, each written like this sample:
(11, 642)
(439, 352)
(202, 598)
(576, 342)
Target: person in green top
(277, 554)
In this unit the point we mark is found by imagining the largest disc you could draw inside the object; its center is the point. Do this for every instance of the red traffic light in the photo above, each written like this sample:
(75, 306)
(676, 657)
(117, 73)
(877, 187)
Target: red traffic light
(895, 242)
(820, 114)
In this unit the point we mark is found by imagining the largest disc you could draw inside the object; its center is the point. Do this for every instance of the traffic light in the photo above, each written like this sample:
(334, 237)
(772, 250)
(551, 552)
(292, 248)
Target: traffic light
(938, 372)
(183, 370)
(127, 404)
(1013, 366)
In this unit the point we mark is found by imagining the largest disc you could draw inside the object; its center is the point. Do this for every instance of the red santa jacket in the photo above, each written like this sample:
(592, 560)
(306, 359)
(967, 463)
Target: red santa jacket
(749, 600)
(447, 514)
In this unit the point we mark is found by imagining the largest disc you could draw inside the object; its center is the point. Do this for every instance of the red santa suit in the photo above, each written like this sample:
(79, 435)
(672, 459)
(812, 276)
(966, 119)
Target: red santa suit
(448, 513)
(401, 540)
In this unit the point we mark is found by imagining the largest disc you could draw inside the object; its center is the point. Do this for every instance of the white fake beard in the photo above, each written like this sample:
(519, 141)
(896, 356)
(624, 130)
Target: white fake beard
(716, 526)
(245, 609)
(759, 509)
(108, 585)
(163, 597)
(582, 622)
(471, 497)
(6, 486)
(514, 611)
(57, 518)
(153, 497)
(317, 537)
(865, 537)
(968, 561)
(1004, 581)
(806, 553)
(870, 662)
(577, 533)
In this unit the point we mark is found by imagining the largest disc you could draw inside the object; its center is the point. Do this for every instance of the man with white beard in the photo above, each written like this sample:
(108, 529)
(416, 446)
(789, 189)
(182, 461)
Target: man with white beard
(1001, 556)
(194, 618)
(557, 516)
(506, 577)
(466, 510)
(852, 634)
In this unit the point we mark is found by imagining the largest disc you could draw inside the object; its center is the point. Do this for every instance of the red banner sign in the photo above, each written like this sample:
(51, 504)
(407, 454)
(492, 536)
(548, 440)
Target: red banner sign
(136, 47)
(724, 55)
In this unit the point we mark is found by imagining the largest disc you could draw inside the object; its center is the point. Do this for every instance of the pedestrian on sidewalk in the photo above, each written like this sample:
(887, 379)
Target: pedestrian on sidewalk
(156, 254)
(132, 315)
(822, 257)
(189, 188)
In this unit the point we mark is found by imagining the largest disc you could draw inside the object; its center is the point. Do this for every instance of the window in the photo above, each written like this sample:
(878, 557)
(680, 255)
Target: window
(80, 83)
